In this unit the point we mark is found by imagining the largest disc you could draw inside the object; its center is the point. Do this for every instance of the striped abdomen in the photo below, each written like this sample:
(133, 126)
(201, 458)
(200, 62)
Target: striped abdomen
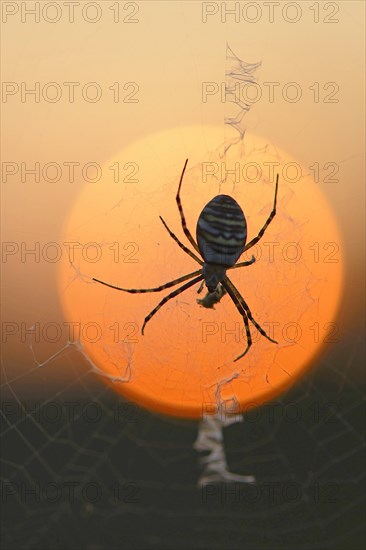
(221, 231)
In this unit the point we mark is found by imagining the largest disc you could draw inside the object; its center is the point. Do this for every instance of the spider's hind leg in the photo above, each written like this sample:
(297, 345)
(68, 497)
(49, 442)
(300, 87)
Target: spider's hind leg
(268, 221)
(179, 243)
(182, 217)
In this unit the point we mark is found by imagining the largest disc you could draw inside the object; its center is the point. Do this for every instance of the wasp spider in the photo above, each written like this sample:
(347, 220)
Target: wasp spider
(221, 237)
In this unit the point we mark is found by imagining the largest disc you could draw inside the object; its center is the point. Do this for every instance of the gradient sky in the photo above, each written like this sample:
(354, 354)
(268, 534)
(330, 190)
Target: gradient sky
(169, 52)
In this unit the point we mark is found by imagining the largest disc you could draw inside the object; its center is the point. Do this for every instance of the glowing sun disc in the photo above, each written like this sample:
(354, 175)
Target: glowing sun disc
(184, 364)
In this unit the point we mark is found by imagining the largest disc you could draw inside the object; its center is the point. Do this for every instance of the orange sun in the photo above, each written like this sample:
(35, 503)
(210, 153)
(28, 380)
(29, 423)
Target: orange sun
(184, 364)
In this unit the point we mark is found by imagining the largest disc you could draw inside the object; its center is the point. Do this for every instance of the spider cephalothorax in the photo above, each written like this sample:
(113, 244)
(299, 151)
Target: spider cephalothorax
(213, 274)
(221, 238)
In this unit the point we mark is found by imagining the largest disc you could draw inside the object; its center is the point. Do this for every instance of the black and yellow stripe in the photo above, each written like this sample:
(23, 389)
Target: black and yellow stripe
(221, 231)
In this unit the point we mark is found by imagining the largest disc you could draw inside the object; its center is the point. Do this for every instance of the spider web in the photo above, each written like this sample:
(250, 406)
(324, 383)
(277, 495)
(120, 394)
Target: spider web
(305, 450)
(83, 468)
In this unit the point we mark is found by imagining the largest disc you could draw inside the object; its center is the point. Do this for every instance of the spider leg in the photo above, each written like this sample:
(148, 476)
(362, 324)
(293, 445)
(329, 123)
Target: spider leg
(201, 287)
(171, 295)
(242, 264)
(156, 289)
(247, 310)
(184, 224)
(269, 219)
(242, 312)
(186, 250)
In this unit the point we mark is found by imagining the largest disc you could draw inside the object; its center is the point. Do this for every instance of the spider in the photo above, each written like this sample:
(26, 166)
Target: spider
(221, 237)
